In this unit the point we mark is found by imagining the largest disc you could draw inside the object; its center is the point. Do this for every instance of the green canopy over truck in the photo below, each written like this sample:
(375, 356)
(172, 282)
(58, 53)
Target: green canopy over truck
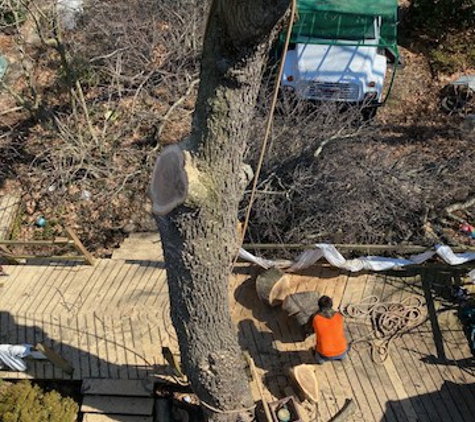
(340, 21)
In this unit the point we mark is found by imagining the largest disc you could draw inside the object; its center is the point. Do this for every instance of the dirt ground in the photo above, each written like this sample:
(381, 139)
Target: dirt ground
(103, 213)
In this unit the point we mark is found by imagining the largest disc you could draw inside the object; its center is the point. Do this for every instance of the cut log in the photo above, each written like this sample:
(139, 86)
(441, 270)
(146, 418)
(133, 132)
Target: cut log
(303, 305)
(306, 380)
(272, 286)
(169, 186)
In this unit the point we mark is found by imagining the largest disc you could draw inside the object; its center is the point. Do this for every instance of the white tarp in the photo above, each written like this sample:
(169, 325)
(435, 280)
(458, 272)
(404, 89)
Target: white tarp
(247, 256)
(369, 263)
(11, 356)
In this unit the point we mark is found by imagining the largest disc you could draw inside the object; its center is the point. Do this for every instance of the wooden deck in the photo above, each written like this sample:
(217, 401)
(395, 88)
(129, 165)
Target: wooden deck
(430, 372)
(111, 320)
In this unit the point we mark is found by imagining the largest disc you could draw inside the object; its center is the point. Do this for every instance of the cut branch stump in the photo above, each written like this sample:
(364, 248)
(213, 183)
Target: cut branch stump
(169, 185)
(306, 380)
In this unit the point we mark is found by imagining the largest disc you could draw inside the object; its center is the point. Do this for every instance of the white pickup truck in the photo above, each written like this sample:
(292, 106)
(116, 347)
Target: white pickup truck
(339, 56)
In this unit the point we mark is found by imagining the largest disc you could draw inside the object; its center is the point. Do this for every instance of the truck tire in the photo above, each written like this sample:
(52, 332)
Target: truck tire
(368, 113)
(451, 104)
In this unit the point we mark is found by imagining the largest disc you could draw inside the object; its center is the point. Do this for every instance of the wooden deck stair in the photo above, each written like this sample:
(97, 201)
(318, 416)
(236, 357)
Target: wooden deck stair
(107, 400)
(140, 247)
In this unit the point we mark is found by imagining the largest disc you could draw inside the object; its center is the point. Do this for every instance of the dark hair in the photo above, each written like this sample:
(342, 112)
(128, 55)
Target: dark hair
(325, 302)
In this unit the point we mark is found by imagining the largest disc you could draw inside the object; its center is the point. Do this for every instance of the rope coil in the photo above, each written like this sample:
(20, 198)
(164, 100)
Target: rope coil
(389, 321)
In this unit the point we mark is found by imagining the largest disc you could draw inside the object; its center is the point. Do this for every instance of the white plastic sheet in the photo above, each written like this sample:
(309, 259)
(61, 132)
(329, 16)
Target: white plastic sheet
(369, 263)
(11, 356)
(248, 256)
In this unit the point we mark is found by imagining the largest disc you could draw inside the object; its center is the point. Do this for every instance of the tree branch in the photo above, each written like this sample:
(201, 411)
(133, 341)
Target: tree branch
(459, 206)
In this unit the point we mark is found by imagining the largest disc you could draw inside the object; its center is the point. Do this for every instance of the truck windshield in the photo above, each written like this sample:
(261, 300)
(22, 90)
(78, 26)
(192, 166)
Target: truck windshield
(335, 26)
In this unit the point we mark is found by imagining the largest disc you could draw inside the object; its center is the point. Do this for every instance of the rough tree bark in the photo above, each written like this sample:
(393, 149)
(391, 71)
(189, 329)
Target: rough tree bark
(199, 237)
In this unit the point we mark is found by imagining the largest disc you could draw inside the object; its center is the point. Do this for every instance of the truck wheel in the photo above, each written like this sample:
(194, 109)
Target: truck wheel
(451, 104)
(368, 113)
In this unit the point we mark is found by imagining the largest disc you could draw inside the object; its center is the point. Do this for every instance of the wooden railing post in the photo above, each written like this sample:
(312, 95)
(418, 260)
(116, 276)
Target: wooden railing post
(88, 258)
(7, 255)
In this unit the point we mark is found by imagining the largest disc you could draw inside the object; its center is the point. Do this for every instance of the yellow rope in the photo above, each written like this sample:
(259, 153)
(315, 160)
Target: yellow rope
(270, 118)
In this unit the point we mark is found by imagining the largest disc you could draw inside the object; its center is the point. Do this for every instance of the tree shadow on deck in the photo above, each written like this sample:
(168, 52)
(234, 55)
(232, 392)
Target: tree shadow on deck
(442, 329)
(46, 330)
(453, 402)
(262, 346)
(283, 327)
(443, 305)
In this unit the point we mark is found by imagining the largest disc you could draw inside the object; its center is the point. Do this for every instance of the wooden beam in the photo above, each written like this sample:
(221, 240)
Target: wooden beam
(255, 377)
(55, 242)
(55, 358)
(79, 246)
(16, 258)
(9, 257)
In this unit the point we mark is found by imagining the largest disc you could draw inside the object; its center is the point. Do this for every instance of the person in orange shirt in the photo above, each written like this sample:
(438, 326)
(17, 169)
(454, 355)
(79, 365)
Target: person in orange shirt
(329, 333)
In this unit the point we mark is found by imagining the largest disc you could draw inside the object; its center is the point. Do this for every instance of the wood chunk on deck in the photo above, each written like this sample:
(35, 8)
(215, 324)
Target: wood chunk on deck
(303, 305)
(139, 406)
(111, 387)
(272, 286)
(305, 378)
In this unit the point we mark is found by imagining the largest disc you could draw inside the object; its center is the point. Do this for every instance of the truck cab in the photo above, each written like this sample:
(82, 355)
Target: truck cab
(337, 50)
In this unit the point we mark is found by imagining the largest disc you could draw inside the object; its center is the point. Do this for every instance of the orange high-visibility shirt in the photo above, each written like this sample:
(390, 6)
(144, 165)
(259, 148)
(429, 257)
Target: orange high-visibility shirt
(329, 335)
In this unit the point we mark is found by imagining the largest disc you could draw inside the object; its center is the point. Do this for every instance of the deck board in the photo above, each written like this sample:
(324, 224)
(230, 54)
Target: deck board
(404, 363)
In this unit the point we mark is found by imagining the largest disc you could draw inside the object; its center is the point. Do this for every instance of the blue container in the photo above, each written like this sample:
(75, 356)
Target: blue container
(40, 222)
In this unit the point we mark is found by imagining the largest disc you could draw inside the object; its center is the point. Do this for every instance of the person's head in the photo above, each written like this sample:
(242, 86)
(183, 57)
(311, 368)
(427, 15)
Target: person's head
(325, 303)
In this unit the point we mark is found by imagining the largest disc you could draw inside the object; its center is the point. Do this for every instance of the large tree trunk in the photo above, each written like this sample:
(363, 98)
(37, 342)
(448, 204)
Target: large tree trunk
(199, 237)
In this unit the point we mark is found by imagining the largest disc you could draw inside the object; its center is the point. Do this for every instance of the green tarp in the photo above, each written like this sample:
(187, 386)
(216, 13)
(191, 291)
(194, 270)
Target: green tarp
(346, 20)
(357, 7)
